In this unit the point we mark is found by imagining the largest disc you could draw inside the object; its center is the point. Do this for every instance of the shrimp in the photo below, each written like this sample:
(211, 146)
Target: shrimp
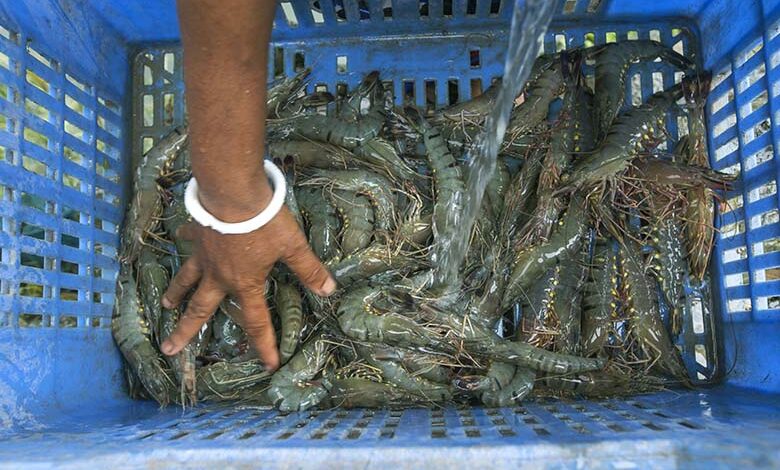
(233, 381)
(626, 138)
(394, 373)
(289, 308)
(376, 188)
(530, 263)
(294, 387)
(131, 334)
(519, 387)
(612, 63)
(322, 220)
(281, 92)
(448, 183)
(535, 108)
(146, 204)
(645, 317)
(357, 220)
(599, 301)
(309, 154)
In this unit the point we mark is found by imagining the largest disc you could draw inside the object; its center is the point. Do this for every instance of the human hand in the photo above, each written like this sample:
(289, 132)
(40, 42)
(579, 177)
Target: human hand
(238, 265)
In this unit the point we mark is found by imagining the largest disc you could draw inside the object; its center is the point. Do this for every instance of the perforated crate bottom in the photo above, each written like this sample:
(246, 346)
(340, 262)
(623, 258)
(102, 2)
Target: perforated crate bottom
(723, 427)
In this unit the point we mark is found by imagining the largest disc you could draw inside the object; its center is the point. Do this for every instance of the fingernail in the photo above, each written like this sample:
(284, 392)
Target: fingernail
(167, 348)
(167, 303)
(329, 287)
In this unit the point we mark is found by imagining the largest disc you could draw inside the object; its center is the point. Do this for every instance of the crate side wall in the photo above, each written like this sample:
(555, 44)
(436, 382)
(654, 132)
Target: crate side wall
(63, 87)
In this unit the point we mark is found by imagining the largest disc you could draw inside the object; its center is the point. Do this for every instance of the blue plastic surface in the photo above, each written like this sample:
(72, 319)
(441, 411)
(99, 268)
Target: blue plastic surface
(73, 118)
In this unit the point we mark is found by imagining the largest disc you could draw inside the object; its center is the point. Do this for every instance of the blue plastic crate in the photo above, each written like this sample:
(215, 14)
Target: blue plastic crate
(87, 84)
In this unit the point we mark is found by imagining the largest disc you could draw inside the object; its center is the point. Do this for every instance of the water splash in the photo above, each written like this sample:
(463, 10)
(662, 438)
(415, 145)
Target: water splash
(529, 22)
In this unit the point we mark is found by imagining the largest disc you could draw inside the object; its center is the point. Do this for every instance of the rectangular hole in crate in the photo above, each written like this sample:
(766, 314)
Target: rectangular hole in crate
(726, 149)
(103, 168)
(739, 305)
(7, 156)
(148, 110)
(316, 12)
(71, 214)
(31, 260)
(103, 147)
(289, 14)
(341, 64)
(35, 109)
(738, 279)
(339, 10)
(594, 5)
(754, 104)
(762, 156)
(732, 229)
(422, 8)
(569, 6)
(35, 137)
(299, 62)
(697, 315)
(6, 123)
(35, 166)
(734, 254)
(41, 58)
(75, 105)
(636, 89)
(726, 123)
(610, 36)
(658, 82)
(70, 295)
(71, 181)
(27, 229)
(31, 289)
(765, 218)
(38, 82)
(755, 75)
(560, 42)
(75, 131)
(5, 61)
(446, 8)
(452, 91)
(756, 131)
(655, 35)
(5, 92)
(68, 321)
(748, 52)
(32, 320)
(771, 245)
(37, 202)
(476, 87)
(8, 35)
(168, 108)
(471, 7)
(768, 274)
(474, 59)
(278, 62)
(722, 101)
(364, 10)
(146, 144)
(430, 94)
(68, 267)
(408, 91)
(78, 84)
(387, 9)
(495, 7)
(169, 62)
(148, 76)
(341, 90)
(74, 156)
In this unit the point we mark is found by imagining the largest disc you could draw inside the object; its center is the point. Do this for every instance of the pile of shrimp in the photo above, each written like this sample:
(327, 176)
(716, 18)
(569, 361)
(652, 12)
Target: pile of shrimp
(592, 229)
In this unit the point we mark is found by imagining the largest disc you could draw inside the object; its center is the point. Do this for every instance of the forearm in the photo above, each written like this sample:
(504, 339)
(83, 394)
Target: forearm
(225, 62)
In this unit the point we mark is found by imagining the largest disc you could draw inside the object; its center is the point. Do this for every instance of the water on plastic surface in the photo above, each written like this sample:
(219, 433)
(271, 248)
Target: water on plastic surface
(529, 22)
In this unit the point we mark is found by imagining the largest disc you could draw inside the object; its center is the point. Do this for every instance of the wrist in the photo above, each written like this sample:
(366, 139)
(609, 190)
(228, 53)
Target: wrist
(235, 199)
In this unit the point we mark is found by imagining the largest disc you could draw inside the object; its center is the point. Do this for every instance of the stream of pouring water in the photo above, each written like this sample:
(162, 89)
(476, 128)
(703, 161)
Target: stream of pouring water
(529, 22)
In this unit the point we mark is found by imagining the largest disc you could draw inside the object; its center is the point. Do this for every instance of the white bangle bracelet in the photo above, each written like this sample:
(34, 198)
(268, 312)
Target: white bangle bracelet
(204, 218)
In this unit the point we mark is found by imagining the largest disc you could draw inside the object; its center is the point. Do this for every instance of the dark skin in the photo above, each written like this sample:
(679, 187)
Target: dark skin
(225, 46)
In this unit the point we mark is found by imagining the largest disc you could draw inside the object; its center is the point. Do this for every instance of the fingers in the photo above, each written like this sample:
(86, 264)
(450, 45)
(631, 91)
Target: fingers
(256, 321)
(189, 275)
(310, 271)
(202, 305)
